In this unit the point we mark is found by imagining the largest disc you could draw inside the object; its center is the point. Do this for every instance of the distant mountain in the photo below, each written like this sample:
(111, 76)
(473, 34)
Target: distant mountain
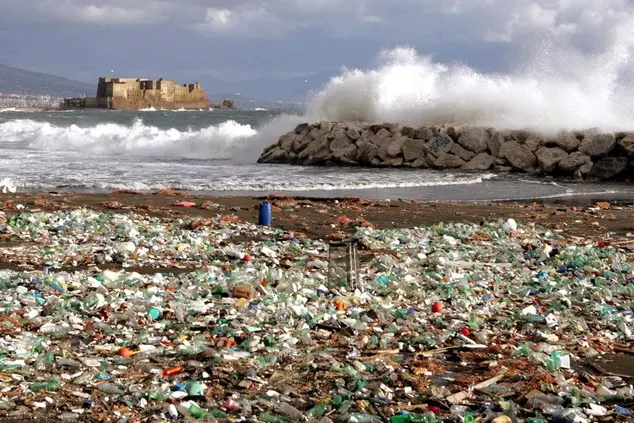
(16, 82)
(24, 82)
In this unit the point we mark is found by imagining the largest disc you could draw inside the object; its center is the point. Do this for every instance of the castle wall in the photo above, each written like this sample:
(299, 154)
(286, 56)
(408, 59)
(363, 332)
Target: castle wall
(137, 93)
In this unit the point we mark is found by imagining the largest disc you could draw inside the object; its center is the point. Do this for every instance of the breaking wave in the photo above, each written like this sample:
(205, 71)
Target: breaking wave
(246, 181)
(213, 142)
(559, 85)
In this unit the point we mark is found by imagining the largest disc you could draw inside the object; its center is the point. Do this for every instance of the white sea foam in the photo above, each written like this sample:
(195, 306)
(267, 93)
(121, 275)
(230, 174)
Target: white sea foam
(213, 142)
(557, 86)
(271, 181)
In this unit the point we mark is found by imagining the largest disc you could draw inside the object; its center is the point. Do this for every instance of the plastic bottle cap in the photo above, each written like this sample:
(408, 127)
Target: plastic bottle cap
(154, 313)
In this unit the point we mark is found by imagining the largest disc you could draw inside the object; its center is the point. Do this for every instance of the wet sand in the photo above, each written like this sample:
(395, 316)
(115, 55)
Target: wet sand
(315, 216)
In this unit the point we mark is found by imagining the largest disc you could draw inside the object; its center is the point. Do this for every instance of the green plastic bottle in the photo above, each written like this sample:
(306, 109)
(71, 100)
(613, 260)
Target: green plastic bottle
(400, 418)
(48, 386)
(219, 414)
(318, 411)
(272, 418)
(197, 412)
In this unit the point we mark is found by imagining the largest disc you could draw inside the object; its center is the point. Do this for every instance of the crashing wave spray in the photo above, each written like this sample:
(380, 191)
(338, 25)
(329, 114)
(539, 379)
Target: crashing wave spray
(557, 87)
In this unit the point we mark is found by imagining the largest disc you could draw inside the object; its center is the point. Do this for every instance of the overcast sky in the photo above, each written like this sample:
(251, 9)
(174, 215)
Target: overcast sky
(267, 48)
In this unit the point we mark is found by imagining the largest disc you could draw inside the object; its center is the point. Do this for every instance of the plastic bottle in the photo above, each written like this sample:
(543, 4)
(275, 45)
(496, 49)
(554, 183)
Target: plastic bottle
(318, 411)
(197, 412)
(48, 386)
(289, 411)
(272, 418)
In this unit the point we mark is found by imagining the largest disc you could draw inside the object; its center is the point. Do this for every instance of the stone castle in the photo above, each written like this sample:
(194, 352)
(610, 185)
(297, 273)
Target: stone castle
(139, 93)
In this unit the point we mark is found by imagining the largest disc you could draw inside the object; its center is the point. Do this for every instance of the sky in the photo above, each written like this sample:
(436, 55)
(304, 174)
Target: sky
(283, 49)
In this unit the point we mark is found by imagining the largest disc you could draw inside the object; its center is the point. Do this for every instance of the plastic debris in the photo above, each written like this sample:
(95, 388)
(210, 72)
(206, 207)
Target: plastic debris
(496, 321)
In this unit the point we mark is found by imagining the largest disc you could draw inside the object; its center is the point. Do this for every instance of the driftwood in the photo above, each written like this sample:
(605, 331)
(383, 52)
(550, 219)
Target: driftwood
(457, 398)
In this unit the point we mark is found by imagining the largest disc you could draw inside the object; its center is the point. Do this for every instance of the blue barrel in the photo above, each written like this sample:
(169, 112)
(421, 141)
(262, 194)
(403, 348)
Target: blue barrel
(264, 215)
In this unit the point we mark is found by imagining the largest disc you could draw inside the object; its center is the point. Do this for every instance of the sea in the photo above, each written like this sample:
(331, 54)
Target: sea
(215, 151)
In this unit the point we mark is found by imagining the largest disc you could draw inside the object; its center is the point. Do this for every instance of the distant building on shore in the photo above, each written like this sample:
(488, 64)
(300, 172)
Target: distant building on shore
(139, 93)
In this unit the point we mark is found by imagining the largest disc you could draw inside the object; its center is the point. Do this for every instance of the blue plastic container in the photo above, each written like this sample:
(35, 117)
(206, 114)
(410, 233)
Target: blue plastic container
(264, 215)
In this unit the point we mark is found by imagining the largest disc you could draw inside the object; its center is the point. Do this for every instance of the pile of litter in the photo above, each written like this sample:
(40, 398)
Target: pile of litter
(465, 322)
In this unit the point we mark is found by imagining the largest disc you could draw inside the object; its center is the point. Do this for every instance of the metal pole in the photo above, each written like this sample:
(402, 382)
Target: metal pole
(356, 266)
(349, 264)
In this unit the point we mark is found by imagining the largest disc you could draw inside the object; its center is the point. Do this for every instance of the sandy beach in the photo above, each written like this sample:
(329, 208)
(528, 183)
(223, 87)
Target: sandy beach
(314, 216)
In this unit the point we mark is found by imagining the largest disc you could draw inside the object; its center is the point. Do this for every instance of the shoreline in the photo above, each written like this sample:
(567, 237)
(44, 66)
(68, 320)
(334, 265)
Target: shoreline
(315, 213)
(485, 188)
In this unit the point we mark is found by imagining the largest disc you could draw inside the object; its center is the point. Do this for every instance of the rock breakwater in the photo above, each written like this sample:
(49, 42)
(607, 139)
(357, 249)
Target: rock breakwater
(588, 154)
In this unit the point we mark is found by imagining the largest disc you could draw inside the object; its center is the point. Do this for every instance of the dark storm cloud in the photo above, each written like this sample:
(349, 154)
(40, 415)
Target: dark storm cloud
(288, 40)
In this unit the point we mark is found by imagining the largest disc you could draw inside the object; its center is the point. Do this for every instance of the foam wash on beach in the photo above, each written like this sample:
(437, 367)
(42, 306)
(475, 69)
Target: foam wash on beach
(551, 85)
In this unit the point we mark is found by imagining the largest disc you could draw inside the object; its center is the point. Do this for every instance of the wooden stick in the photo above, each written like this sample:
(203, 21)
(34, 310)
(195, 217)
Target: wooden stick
(460, 396)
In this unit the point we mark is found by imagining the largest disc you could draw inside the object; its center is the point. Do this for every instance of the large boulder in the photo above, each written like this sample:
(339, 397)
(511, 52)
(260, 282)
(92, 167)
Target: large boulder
(302, 140)
(342, 146)
(597, 145)
(482, 161)
(277, 155)
(439, 144)
(319, 147)
(418, 163)
(453, 132)
(353, 133)
(519, 156)
(396, 129)
(367, 135)
(366, 152)
(565, 140)
(461, 152)
(407, 131)
(474, 139)
(320, 131)
(448, 161)
(494, 144)
(583, 171)
(608, 168)
(533, 143)
(270, 147)
(340, 141)
(302, 127)
(573, 162)
(519, 135)
(626, 144)
(320, 158)
(346, 154)
(395, 148)
(425, 133)
(549, 157)
(413, 149)
(287, 140)
(392, 162)
(382, 136)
